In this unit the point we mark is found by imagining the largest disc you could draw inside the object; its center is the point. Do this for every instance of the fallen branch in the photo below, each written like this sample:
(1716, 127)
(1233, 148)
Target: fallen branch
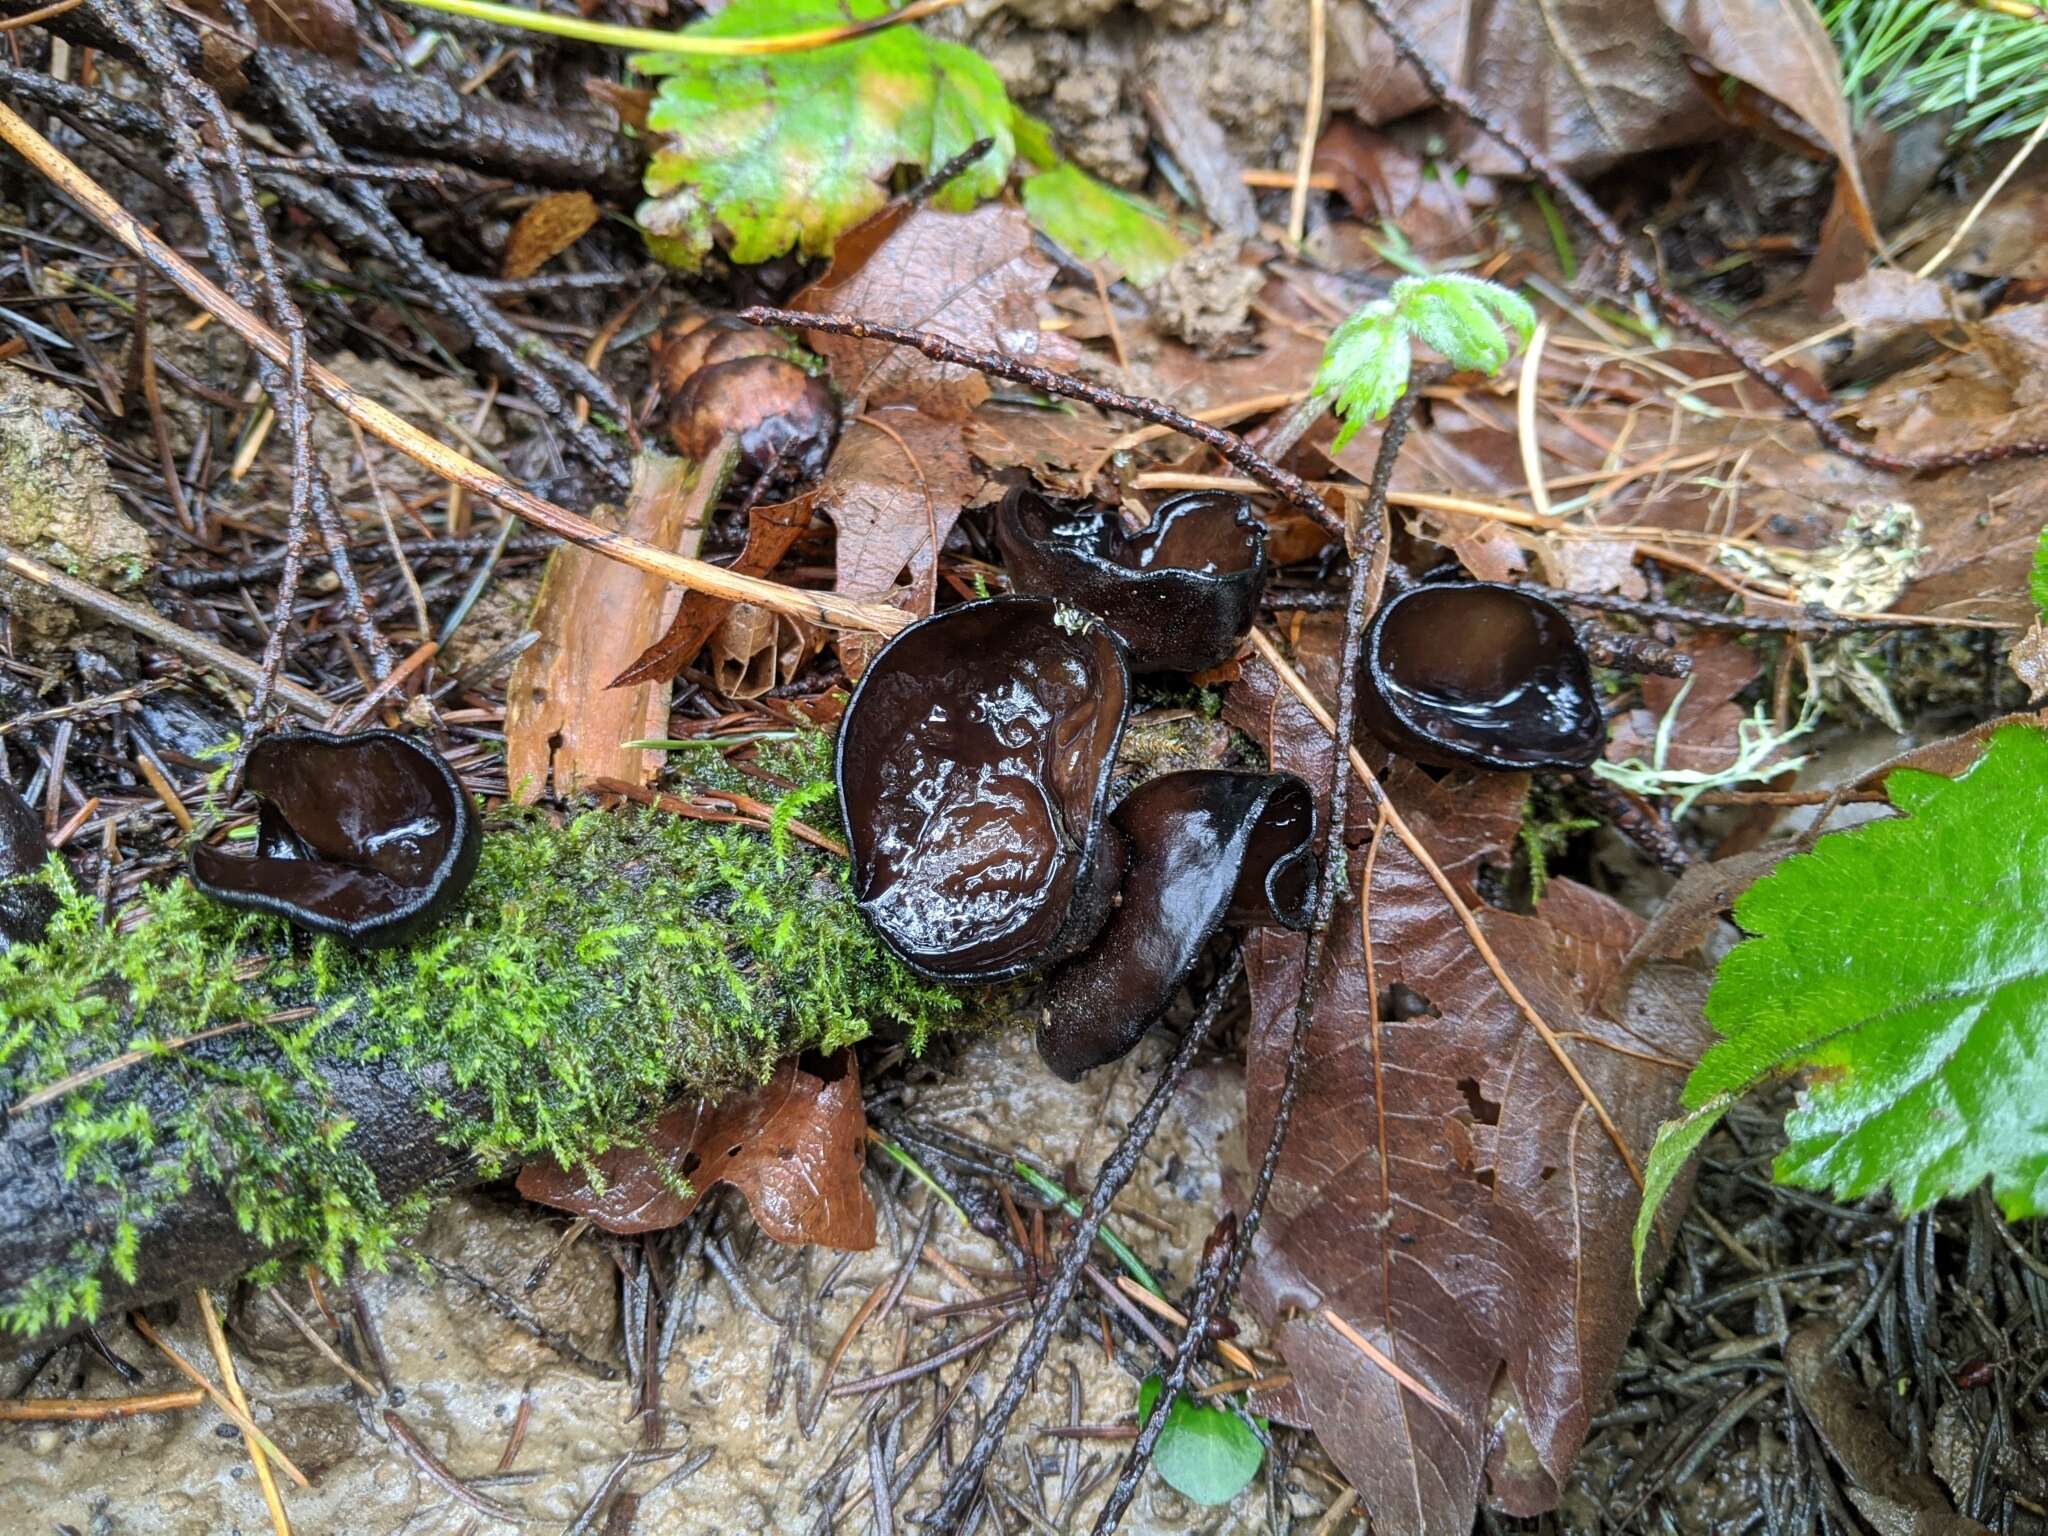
(822, 608)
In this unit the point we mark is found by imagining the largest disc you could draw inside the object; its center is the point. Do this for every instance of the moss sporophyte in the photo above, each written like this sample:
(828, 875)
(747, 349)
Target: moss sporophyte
(596, 969)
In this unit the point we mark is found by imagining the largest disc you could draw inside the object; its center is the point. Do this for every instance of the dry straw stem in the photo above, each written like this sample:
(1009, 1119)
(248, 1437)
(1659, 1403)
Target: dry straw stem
(84, 1410)
(217, 1341)
(822, 608)
(1298, 686)
(241, 1420)
(648, 40)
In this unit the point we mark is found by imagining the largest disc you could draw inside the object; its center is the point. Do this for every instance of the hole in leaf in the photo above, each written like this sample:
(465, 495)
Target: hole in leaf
(1484, 1110)
(1404, 1002)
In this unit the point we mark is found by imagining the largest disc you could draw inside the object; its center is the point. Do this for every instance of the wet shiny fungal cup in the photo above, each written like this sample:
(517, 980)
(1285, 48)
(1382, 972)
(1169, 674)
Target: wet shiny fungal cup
(974, 766)
(370, 839)
(1180, 593)
(1482, 674)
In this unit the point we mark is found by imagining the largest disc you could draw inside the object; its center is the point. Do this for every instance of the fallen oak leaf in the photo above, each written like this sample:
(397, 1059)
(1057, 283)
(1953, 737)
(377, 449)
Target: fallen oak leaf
(1704, 735)
(893, 491)
(794, 1147)
(974, 278)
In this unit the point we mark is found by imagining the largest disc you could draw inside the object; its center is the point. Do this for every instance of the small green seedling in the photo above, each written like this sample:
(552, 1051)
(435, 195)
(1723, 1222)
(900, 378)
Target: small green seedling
(1205, 1452)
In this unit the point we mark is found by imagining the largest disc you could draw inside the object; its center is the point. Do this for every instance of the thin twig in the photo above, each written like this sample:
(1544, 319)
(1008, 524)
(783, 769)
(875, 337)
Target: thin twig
(1218, 1278)
(964, 1487)
(85, 1410)
(217, 1341)
(147, 621)
(242, 1421)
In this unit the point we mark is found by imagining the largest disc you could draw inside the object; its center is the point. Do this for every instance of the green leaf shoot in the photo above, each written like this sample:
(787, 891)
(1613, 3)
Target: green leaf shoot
(1902, 965)
(1206, 1453)
(1466, 319)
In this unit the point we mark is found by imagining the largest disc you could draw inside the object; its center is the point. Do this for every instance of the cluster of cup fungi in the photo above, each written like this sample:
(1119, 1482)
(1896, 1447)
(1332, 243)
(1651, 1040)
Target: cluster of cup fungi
(975, 765)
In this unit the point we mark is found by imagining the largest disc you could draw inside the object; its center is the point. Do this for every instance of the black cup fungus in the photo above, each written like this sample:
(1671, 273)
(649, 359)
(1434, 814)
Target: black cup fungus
(1181, 594)
(974, 765)
(1206, 848)
(1479, 673)
(368, 838)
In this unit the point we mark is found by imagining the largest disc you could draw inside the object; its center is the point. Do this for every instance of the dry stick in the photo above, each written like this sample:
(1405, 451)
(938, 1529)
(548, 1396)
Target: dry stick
(322, 1347)
(1283, 483)
(961, 1490)
(823, 608)
(217, 1341)
(1679, 311)
(1218, 1278)
(146, 621)
(80, 1410)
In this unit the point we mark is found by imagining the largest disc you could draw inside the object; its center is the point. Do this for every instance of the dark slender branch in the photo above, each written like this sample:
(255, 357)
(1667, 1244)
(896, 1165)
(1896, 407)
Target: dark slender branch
(1285, 484)
(1633, 653)
(964, 1486)
(1676, 309)
(1218, 1281)
(934, 183)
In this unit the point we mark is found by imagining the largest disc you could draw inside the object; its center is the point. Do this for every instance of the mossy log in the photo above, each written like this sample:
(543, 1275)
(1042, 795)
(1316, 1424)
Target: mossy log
(596, 969)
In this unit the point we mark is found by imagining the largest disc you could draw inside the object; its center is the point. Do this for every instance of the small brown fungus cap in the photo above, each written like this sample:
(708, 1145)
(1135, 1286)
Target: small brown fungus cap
(1181, 593)
(1205, 849)
(786, 420)
(1479, 673)
(973, 767)
(368, 838)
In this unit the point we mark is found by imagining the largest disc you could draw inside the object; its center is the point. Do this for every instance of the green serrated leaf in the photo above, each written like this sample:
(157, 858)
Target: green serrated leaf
(1207, 1453)
(1101, 223)
(1464, 318)
(1904, 965)
(777, 152)
(1676, 1142)
(1365, 368)
(2037, 579)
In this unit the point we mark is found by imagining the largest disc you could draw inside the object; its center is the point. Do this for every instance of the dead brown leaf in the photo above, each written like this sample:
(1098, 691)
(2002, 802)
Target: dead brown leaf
(324, 26)
(1781, 48)
(562, 721)
(893, 490)
(1590, 82)
(753, 650)
(1445, 1189)
(547, 228)
(795, 1148)
(974, 277)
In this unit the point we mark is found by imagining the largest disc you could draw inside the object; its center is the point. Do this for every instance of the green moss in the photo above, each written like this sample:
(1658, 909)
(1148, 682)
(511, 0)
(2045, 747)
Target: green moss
(593, 969)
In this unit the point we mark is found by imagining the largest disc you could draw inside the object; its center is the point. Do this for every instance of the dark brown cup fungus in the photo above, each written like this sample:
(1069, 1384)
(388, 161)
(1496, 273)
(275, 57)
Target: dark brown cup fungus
(1474, 672)
(25, 908)
(1181, 594)
(974, 764)
(1204, 849)
(369, 838)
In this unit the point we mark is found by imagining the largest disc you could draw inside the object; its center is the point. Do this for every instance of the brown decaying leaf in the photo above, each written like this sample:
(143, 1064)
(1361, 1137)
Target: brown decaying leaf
(794, 1148)
(974, 277)
(1590, 82)
(1703, 738)
(593, 614)
(1445, 1188)
(893, 490)
(547, 228)
(1781, 48)
(771, 530)
(753, 650)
